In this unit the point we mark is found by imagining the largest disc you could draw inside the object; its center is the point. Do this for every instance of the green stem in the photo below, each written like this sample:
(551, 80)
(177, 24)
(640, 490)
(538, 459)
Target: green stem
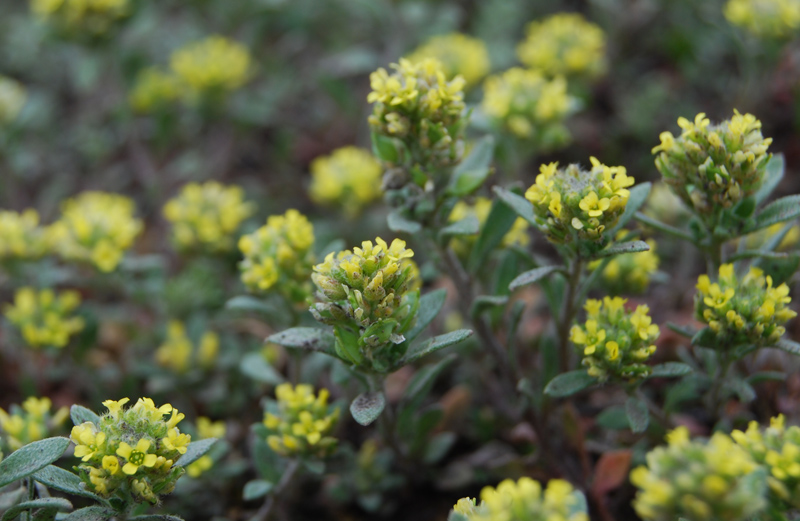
(568, 311)
(714, 255)
(657, 412)
(716, 386)
(267, 509)
(31, 484)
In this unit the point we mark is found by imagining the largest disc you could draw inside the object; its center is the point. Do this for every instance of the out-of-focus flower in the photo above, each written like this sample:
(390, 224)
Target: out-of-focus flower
(349, 178)
(517, 235)
(12, 99)
(564, 44)
(44, 317)
(31, 422)
(96, 227)
(629, 272)
(205, 429)
(300, 423)
(765, 18)
(459, 54)
(212, 66)
(82, 18)
(177, 352)
(155, 89)
(21, 237)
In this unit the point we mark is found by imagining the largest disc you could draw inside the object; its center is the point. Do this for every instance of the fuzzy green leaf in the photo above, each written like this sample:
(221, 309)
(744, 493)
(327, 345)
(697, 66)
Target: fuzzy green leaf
(766, 376)
(638, 196)
(484, 302)
(472, 172)
(399, 223)
(49, 503)
(434, 344)
(31, 458)
(90, 514)
(429, 306)
(80, 414)
(438, 447)
(499, 221)
(256, 488)
(249, 303)
(638, 415)
(772, 177)
(705, 338)
(784, 209)
(367, 407)
(534, 275)
(384, 148)
(521, 206)
(466, 226)
(63, 480)
(567, 384)
(422, 382)
(310, 338)
(790, 346)
(194, 451)
(254, 366)
(685, 331)
(670, 369)
(623, 247)
(742, 389)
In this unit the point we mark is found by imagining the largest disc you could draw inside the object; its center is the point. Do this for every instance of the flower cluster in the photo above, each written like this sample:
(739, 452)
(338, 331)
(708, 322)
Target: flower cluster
(418, 106)
(210, 66)
(82, 18)
(458, 53)
(131, 450)
(698, 481)
(278, 255)
(21, 237)
(45, 318)
(31, 422)
(629, 272)
(711, 167)
(96, 227)
(154, 90)
(300, 422)
(349, 178)
(366, 295)
(743, 312)
(776, 447)
(529, 106)
(564, 44)
(615, 341)
(206, 216)
(572, 204)
(517, 235)
(12, 99)
(206, 429)
(765, 18)
(177, 350)
(524, 500)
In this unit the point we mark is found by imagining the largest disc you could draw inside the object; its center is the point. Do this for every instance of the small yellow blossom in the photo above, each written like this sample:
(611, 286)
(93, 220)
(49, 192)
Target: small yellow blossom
(12, 99)
(153, 90)
(777, 19)
(82, 18)
(458, 53)
(302, 422)
(45, 318)
(136, 456)
(629, 272)
(21, 237)
(349, 178)
(212, 66)
(178, 352)
(30, 422)
(517, 235)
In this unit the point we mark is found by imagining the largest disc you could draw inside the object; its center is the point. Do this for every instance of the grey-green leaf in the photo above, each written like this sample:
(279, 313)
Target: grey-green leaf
(80, 414)
(367, 407)
(638, 415)
(742, 389)
(670, 370)
(436, 343)
(31, 458)
(248, 303)
(567, 384)
(499, 221)
(638, 196)
(63, 480)
(438, 447)
(311, 338)
(469, 225)
(256, 367)
(50, 503)
(534, 275)
(399, 223)
(256, 488)
(429, 306)
(485, 302)
(623, 247)
(194, 451)
(471, 173)
(790, 346)
(772, 177)
(784, 209)
(93, 513)
(516, 202)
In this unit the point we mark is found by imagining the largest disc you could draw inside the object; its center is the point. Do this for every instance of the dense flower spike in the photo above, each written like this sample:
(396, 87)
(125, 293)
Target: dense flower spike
(206, 216)
(212, 66)
(349, 178)
(131, 449)
(615, 342)
(45, 318)
(517, 235)
(712, 167)
(524, 500)
(629, 272)
(33, 421)
(743, 312)
(278, 255)
(300, 422)
(96, 227)
(12, 99)
(776, 447)
(176, 353)
(422, 109)
(765, 18)
(459, 54)
(21, 237)
(572, 204)
(698, 481)
(155, 89)
(367, 295)
(564, 44)
(529, 106)
(82, 18)
(205, 429)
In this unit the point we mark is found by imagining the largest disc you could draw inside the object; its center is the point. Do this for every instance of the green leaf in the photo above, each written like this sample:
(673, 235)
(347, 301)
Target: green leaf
(638, 415)
(784, 209)
(790, 346)
(614, 418)
(685, 331)
(567, 384)
(742, 389)
(439, 447)
(705, 338)
(521, 206)
(666, 228)
(772, 177)
(466, 226)
(311, 338)
(472, 172)
(254, 366)
(534, 275)
(194, 451)
(384, 148)
(670, 369)
(423, 380)
(745, 208)
(248, 303)
(50, 503)
(93, 513)
(622, 247)
(314, 466)
(80, 414)
(397, 222)
(766, 376)
(31, 458)
(367, 407)
(256, 488)
(751, 254)
(499, 221)
(484, 302)
(155, 517)
(638, 196)
(434, 344)
(63, 480)
(429, 306)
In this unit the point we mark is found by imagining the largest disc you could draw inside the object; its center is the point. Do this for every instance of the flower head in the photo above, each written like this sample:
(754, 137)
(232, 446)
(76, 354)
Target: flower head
(44, 317)
(300, 422)
(32, 421)
(155, 89)
(459, 54)
(629, 272)
(517, 235)
(777, 19)
(21, 237)
(82, 18)
(349, 178)
(212, 66)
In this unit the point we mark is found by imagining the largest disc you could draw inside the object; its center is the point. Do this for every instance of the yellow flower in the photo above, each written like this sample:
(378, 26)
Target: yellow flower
(458, 53)
(175, 441)
(12, 99)
(199, 466)
(214, 65)
(525, 500)
(350, 178)
(45, 318)
(154, 89)
(82, 18)
(88, 441)
(136, 456)
(33, 421)
(765, 18)
(303, 422)
(208, 429)
(115, 406)
(517, 235)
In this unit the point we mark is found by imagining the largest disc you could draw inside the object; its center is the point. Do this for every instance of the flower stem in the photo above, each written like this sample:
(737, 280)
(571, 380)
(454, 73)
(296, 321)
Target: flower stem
(267, 509)
(568, 311)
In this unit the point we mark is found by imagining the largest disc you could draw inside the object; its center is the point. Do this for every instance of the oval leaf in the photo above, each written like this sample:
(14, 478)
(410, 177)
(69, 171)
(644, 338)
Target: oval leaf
(90, 514)
(434, 344)
(784, 209)
(623, 247)
(567, 384)
(534, 275)
(310, 338)
(367, 407)
(194, 451)
(611, 471)
(31, 458)
(249, 303)
(63, 480)
(469, 225)
(499, 221)
(50, 503)
(471, 173)
(790, 346)
(254, 366)
(429, 306)
(670, 369)
(256, 488)
(485, 302)
(398, 223)
(772, 177)
(638, 415)
(80, 414)
(517, 203)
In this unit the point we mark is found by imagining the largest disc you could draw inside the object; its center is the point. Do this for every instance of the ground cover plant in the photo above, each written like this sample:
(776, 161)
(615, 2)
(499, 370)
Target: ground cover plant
(477, 261)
